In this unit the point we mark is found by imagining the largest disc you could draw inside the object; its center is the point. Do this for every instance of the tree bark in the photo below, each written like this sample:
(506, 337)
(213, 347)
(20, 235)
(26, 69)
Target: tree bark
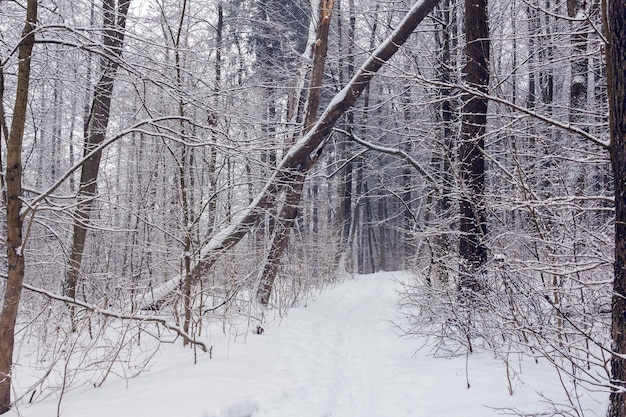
(473, 222)
(284, 223)
(345, 184)
(15, 244)
(448, 114)
(616, 81)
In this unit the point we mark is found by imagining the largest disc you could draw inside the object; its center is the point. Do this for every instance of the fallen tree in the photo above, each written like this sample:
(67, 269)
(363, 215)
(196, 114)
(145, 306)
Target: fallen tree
(300, 158)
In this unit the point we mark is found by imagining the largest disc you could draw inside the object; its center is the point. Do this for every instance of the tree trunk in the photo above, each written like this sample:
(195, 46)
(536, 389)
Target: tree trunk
(293, 193)
(382, 234)
(95, 132)
(449, 114)
(186, 190)
(345, 183)
(356, 230)
(616, 81)
(473, 223)
(285, 221)
(533, 31)
(15, 244)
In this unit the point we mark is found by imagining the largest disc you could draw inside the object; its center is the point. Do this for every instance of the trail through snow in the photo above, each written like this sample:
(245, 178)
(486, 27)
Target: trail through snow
(340, 356)
(340, 361)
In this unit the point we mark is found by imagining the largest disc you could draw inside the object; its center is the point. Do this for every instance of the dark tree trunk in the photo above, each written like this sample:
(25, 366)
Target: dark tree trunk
(382, 233)
(616, 81)
(95, 132)
(14, 242)
(356, 231)
(473, 223)
(346, 192)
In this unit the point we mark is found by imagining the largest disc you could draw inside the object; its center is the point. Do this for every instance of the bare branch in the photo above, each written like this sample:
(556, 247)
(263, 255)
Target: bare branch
(118, 315)
(532, 113)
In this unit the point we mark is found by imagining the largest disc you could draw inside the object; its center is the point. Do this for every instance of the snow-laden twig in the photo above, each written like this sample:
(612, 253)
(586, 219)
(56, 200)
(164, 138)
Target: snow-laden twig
(604, 144)
(391, 151)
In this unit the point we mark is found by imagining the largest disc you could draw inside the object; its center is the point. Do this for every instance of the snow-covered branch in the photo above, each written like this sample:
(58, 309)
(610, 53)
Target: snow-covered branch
(391, 151)
(529, 112)
(30, 205)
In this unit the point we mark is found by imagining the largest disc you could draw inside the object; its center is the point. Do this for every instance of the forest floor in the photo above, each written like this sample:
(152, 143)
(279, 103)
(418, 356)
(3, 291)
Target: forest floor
(341, 355)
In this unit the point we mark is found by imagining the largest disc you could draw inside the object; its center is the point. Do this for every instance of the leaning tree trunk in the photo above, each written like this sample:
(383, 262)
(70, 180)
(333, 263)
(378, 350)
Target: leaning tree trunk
(616, 81)
(15, 244)
(293, 191)
(95, 132)
(473, 223)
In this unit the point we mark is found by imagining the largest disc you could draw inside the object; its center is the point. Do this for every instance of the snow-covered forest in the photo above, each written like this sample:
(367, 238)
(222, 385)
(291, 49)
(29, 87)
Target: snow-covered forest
(177, 169)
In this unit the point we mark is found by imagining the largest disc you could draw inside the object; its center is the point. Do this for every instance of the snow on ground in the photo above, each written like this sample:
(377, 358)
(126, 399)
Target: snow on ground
(340, 356)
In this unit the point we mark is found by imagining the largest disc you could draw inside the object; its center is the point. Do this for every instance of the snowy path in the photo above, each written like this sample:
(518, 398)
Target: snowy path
(340, 360)
(340, 356)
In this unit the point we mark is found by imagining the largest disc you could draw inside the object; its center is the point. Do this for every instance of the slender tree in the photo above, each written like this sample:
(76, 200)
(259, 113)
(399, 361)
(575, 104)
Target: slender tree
(580, 63)
(347, 173)
(15, 242)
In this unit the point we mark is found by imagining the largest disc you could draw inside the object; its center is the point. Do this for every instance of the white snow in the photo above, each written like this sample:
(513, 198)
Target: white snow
(341, 355)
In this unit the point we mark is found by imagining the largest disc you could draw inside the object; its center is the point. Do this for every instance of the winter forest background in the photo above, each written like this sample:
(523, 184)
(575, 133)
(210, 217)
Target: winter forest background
(173, 173)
